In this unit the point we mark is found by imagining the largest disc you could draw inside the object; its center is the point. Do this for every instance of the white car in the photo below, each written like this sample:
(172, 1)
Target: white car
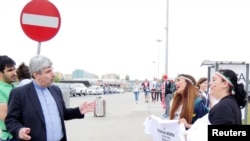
(120, 90)
(95, 90)
(78, 88)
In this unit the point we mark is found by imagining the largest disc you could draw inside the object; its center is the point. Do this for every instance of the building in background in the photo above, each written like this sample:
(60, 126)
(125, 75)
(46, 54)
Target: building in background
(88, 78)
(82, 74)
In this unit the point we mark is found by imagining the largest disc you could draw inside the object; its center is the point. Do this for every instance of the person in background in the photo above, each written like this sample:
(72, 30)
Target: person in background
(163, 91)
(23, 75)
(158, 90)
(187, 105)
(202, 86)
(168, 94)
(36, 111)
(136, 90)
(232, 98)
(7, 77)
(153, 85)
(106, 88)
(146, 89)
(173, 88)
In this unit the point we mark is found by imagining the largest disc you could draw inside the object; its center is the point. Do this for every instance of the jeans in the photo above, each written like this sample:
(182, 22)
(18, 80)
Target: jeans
(146, 91)
(153, 94)
(168, 98)
(136, 96)
(158, 95)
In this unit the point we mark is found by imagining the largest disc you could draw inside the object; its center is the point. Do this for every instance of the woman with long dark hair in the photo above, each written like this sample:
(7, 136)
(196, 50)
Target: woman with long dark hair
(232, 98)
(187, 105)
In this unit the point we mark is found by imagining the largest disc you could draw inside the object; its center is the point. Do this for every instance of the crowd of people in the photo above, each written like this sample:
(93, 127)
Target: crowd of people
(186, 99)
(218, 102)
(23, 106)
(156, 90)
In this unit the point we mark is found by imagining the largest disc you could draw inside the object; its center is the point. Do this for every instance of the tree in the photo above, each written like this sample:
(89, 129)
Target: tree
(57, 78)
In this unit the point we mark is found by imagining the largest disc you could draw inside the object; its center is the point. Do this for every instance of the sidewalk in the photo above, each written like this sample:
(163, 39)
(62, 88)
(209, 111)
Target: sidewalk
(123, 122)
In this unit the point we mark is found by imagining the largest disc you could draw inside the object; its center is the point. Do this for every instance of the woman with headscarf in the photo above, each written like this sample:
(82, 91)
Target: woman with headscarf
(231, 98)
(187, 105)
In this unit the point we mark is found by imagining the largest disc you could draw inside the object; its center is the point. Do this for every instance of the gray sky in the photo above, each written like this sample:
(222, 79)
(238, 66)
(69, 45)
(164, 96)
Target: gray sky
(119, 36)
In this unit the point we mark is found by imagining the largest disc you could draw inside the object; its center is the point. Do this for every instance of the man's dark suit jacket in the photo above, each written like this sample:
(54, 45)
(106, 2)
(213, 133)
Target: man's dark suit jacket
(168, 86)
(24, 110)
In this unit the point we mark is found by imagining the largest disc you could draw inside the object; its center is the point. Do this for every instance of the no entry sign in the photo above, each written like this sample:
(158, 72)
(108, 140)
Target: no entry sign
(40, 20)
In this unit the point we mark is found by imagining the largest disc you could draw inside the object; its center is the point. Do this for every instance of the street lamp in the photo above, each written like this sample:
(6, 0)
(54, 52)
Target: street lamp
(154, 68)
(166, 55)
(158, 40)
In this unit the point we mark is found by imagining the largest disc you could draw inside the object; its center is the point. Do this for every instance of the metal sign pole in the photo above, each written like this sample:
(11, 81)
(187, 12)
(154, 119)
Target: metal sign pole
(247, 79)
(39, 48)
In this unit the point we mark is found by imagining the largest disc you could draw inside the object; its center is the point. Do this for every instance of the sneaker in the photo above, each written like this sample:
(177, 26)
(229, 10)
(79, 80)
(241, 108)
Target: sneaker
(165, 115)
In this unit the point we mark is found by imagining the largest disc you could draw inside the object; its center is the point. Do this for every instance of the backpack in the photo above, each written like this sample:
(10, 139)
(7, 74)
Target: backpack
(203, 111)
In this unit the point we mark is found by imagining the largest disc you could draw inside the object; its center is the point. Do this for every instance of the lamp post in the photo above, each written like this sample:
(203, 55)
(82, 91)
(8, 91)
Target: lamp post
(166, 55)
(154, 68)
(158, 40)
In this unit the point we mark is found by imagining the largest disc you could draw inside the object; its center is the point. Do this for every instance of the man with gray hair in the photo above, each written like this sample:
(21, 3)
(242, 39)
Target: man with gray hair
(37, 110)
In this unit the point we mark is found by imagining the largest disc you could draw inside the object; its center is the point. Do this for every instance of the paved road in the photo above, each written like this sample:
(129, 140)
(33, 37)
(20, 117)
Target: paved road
(123, 121)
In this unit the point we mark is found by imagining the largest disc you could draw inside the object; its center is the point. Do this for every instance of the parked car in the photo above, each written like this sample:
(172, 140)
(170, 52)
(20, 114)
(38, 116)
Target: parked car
(72, 92)
(78, 89)
(95, 90)
(114, 90)
(65, 87)
(120, 90)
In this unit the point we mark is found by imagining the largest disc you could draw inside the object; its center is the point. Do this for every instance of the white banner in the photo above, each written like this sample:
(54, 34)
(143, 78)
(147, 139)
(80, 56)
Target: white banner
(164, 130)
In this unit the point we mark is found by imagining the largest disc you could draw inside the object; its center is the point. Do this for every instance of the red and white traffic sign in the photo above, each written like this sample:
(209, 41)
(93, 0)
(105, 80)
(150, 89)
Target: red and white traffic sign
(40, 20)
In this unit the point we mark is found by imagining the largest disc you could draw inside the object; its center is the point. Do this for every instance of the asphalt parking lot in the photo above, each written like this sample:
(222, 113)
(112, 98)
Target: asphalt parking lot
(123, 121)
